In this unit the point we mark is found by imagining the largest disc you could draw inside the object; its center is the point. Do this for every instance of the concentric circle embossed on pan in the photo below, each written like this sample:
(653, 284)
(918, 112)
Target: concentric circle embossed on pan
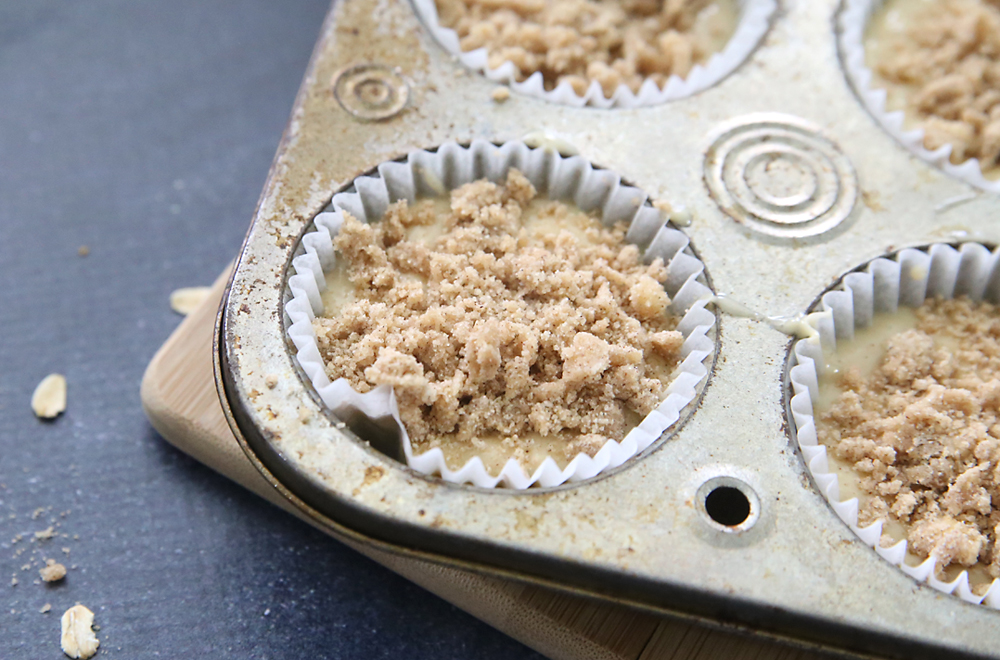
(778, 175)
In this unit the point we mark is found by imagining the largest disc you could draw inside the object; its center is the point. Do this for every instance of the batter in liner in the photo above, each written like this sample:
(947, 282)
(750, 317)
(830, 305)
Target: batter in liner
(509, 326)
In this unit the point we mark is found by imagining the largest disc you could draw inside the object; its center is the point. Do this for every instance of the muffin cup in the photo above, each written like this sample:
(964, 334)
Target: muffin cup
(854, 19)
(907, 279)
(571, 179)
(755, 17)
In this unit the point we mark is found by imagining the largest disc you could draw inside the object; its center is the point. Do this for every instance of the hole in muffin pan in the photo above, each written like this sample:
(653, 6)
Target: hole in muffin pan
(728, 504)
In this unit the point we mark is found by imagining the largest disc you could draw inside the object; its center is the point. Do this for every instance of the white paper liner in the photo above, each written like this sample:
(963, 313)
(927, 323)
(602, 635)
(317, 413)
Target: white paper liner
(853, 23)
(755, 18)
(885, 284)
(572, 179)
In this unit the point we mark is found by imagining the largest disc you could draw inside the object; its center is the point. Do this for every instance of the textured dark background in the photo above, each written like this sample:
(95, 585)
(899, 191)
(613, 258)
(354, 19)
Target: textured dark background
(144, 130)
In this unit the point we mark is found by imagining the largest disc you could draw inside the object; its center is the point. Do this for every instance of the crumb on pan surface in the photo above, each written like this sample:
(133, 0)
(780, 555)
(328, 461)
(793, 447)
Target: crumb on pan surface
(940, 60)
(501, 318)
(500, 94)
(615, 42)
(922, 434)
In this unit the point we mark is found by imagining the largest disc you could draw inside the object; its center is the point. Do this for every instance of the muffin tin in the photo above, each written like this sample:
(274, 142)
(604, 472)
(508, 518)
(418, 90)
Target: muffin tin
(787, 183)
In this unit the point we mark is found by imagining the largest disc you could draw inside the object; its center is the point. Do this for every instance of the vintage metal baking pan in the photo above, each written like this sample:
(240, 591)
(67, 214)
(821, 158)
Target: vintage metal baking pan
(379, 86)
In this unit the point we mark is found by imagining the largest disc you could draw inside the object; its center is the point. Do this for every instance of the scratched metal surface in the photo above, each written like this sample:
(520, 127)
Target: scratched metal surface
(637, 533)
(145, 131)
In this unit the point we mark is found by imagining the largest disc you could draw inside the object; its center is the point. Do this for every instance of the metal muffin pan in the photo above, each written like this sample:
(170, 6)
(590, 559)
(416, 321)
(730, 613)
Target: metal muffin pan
(789, 183)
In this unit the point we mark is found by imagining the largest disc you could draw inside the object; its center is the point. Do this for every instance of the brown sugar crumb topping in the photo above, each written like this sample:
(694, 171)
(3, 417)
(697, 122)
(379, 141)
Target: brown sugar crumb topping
(923, 433)
(949, 57)
(515, 318)
(615, 42)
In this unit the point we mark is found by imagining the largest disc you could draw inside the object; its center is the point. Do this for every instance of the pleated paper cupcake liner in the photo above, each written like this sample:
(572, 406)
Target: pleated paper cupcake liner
(854, 19)
(571, 179)
(907, 279)
(755, 18)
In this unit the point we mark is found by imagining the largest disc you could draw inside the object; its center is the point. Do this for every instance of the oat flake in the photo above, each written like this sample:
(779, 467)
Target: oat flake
(78, 638)
(49, 398)
(185, 301)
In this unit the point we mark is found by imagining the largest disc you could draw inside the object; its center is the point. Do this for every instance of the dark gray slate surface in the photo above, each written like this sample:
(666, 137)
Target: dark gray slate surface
(144, 130)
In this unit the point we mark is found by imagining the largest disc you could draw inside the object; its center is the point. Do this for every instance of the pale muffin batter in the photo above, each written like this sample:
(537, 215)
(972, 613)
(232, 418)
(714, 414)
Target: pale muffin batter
(939, 61)
(508, 326)
(911, 419)
(615, 42)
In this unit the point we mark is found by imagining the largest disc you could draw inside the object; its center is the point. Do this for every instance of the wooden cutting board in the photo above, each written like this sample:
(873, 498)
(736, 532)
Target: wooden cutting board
(180, 398)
